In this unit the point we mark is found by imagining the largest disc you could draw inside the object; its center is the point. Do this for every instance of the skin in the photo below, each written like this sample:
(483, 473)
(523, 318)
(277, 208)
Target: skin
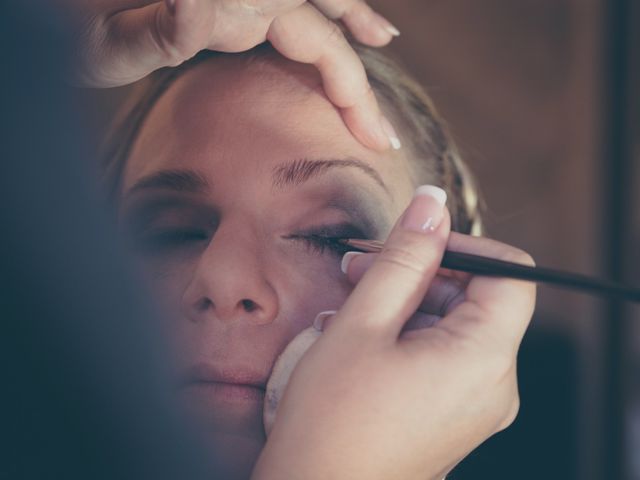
(350, 410)
(246, 282)
(121, 41)
(234, 125)
(369, 401)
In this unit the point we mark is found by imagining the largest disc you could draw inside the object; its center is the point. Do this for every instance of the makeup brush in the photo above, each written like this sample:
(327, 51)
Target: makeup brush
(485, 266)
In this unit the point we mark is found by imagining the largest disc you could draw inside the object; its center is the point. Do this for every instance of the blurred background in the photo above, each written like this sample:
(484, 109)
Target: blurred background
(543, 97)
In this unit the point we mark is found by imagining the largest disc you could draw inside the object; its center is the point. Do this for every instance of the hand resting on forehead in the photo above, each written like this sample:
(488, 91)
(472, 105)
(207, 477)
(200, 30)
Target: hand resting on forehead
(122, 41)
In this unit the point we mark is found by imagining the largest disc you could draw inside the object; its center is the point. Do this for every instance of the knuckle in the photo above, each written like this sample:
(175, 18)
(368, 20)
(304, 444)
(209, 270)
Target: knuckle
(505, 377)
(159, 38)
(511, 414)
(367, 91)
(255, 6)
(175, 45)
(335, 35)
(404, 258)
(500, 367)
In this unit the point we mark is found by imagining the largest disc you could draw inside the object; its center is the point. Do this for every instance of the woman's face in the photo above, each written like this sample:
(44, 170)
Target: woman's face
(237, 173)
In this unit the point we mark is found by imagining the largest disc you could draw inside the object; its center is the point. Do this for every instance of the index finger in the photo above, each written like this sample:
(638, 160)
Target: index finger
(306, 35)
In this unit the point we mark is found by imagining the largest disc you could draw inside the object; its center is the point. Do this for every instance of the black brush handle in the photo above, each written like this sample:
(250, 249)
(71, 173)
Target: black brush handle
(466, 262)
(498, 268)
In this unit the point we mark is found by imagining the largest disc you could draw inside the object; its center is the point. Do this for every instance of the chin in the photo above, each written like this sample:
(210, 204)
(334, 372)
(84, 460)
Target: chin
(234, 454)
(231, 428)
(214, 410)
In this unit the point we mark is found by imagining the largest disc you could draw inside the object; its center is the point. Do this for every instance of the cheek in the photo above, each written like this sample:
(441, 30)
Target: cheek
(167, 282)
(309, 286)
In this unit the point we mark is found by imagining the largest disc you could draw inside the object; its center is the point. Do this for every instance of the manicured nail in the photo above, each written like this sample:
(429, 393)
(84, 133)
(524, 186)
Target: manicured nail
(426, 210)
(390, 132)
(318, 323)
(346, 260)
(387, 26)
(392, 30)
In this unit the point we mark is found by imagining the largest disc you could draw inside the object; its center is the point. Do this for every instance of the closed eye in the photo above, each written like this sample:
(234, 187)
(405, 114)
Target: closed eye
(327, 239)
(168, 239)
(320, 245)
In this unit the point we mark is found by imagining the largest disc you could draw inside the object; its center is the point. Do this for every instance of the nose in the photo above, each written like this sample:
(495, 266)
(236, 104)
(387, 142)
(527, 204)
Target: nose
(230, 283)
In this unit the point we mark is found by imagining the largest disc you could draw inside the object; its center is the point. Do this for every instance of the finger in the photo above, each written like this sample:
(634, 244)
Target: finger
(502, 301)
(418, 321)
(498, 308)
(161, 34)
(355, 264)
(366, 25)
(306, 35)
(444, 294)
(395, 285)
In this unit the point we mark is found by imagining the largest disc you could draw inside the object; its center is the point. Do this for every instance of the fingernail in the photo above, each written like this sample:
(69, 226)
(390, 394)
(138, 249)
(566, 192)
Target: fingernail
(392, 30)
(318, 323)
(171, 5)
(346, 260)
(387, 26)
(426, 209)
(390, 132)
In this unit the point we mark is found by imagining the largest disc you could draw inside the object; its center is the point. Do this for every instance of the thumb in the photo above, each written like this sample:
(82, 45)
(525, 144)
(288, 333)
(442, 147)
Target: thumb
(394, 286)
(157, 35)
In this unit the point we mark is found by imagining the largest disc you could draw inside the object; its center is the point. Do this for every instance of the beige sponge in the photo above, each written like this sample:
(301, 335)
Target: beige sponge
(281, 373)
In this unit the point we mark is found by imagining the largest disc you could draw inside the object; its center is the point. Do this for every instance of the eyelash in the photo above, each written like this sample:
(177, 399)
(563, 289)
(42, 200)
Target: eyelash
(327, 239)
(321, 244)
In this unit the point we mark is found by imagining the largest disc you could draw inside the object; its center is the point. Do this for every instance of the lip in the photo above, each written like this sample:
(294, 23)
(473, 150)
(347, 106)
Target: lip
(203, 374)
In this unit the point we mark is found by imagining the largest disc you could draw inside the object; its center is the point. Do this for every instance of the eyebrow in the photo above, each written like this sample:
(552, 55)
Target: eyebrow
(285, 175)
(188, 181)
(298, 172)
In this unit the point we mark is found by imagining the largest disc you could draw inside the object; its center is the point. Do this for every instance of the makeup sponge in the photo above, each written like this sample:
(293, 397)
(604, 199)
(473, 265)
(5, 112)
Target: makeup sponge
(281, 373)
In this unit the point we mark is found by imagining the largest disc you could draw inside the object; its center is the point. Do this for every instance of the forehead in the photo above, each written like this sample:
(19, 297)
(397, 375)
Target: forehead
(235, 120)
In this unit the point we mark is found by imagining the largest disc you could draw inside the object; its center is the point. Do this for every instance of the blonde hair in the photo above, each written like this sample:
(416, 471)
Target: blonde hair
(437, 159)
